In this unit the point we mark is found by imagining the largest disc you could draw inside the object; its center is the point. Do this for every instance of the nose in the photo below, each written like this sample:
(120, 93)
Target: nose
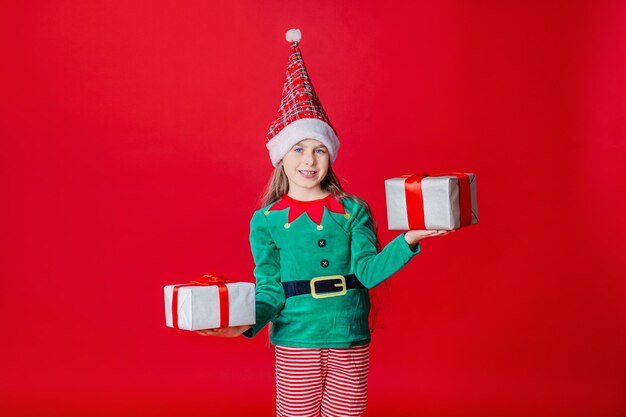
(307, 158)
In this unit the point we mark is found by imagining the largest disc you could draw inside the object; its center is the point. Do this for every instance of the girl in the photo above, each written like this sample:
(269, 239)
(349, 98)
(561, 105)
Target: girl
(316, 255)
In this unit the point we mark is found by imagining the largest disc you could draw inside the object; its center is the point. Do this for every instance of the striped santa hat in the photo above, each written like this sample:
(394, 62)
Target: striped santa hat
(301, 115)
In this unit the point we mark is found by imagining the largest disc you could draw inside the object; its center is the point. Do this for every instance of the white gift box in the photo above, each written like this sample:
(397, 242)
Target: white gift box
(441, 202)
(199, 306)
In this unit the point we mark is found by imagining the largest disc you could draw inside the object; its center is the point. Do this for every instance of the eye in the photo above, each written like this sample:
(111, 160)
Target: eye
(320, 151)
(298, 149)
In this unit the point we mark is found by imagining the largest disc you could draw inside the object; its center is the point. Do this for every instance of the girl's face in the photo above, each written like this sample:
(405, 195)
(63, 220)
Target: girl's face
(306, 165)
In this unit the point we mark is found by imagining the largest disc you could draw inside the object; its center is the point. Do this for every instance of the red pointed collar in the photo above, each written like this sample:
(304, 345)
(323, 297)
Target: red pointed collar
(314, 209)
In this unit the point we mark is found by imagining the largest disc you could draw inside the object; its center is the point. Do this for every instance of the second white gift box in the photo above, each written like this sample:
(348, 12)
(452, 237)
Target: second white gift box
(197, 307)
(431, 201)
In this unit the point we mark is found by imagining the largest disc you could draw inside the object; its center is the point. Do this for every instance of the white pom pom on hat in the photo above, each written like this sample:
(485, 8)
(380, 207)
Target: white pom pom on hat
(293, 35)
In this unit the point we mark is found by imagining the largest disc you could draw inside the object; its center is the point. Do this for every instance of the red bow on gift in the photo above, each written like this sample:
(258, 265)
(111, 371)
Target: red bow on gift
(415, 199)
(205, 280)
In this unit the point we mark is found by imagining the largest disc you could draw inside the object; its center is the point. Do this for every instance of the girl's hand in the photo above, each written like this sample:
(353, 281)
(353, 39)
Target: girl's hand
(225, 332)
(414, 236)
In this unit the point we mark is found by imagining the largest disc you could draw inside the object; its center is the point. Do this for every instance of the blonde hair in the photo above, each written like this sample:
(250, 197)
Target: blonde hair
(278, 186)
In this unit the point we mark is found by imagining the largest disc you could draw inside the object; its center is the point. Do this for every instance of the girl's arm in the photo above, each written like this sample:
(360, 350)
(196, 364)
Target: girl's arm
(371, 267)
(270, 296)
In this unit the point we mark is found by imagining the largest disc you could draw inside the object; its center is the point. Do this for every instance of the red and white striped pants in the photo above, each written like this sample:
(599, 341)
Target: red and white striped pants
(321, 382)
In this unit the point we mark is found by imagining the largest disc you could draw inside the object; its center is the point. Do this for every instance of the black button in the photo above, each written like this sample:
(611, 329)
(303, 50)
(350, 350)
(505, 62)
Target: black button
(321, 243)
(324, 263)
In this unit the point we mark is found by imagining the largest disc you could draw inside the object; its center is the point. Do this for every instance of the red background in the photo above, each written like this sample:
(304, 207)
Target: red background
(132, 156)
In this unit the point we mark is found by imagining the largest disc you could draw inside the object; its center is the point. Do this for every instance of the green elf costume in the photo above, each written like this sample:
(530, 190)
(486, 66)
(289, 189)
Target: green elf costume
(315, 260)
(341, 246)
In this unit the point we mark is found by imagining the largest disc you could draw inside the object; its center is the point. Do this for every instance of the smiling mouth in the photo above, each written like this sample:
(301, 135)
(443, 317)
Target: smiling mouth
(307, 173)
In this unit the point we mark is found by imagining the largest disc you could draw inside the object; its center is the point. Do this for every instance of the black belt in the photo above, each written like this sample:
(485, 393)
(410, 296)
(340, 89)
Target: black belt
(322, 287)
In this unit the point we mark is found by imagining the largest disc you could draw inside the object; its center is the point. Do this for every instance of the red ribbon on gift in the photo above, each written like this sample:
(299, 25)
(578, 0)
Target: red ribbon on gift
(205, 280)
(415, 199)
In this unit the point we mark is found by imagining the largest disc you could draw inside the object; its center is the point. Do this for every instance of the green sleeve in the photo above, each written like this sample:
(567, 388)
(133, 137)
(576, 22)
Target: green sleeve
(270, 296)
(371, 267)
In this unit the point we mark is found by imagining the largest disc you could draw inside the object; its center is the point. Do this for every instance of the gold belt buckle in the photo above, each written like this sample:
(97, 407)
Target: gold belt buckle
(341, 284)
